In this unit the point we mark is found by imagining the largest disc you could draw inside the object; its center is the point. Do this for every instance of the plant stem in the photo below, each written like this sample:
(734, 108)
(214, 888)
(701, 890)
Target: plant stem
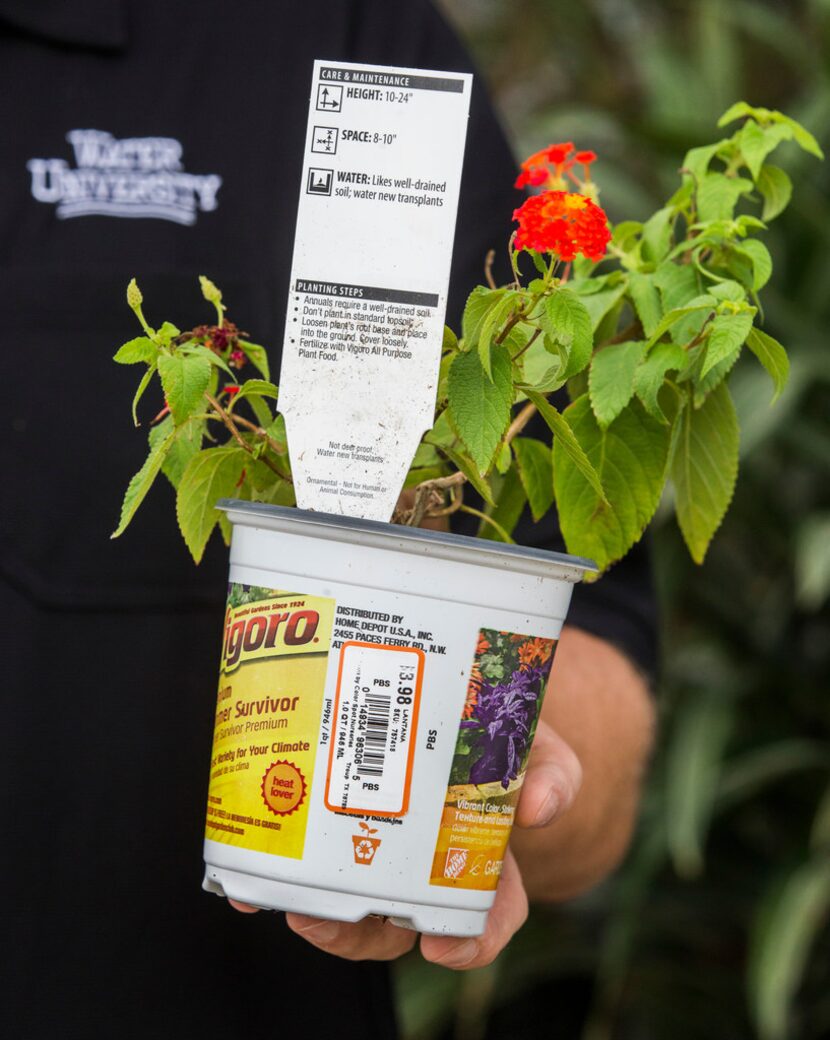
(488, 268)
(519, 423)
(489, 520)
(237, 436)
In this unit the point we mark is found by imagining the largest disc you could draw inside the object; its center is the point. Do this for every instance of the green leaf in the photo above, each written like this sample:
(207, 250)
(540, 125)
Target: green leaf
(142, 348)
(598, 304)
(611, 379)
(450, 341)
(193, 349)
(569, 445)
(466, 466)
(727, 333)
(142, 386)
(492, 324)
(793, 914)
(534, 462)
(646, 300)
(772, 356)
(185, 380)
(566, 320)
(728, 290)
(694, 764)
(651, 374)
(756, 143)
(209, 476)
(478, 306)
(736, 111)
(187, 441)
(718, 194)
(510, 497)
(776, 188)
(141, 484)
(167, 333)
(673, 317)
(258, 387)
(678, 283)
(761, 261)
(657, 232)
(630, 459)
(704, 468)
(802, 137)
(697, 160)
(480, 405)
(812, 562)
(257, 355)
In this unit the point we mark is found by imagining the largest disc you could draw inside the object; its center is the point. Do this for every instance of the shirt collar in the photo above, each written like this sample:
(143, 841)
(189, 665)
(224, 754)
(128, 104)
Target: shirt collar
(98, 24)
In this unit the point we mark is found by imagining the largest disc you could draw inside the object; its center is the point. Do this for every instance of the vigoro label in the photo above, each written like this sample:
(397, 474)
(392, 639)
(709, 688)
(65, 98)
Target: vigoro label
(504, 696)
(273, 674)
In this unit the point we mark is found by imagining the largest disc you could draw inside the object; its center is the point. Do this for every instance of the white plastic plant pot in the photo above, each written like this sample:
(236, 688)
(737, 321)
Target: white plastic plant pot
(378, 696)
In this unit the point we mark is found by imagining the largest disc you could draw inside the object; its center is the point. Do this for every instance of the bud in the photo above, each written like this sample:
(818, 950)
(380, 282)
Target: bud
(210, 291)
(134, 297)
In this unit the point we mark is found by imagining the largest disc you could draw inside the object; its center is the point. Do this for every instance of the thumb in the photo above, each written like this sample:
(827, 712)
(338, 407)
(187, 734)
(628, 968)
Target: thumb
(552, 780)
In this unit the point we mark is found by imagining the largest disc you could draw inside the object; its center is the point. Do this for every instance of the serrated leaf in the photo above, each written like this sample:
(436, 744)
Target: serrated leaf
(480, 405)
(510, 498)
(187, 441)
(142, 348)
(792, 915)
(656, 235)
(493, 323)
(728, 290)
(611, 379)
(535, 465)
(200, 350)
(598, 304)
(703, 385)
(736, 111)
(467, 467)
(184, 379)
(727, 333)
(757, 142)
(630, 459)
(772, 356)
(257, 355)
(449, 341)
(212, 474)
(718, 194)
(776, 188)
(476, 309)
(673, 317)
(569, 444)
(697, 160)
(801, 135)
(678, 283)
(646, 299)
(258, 387)
(141, 483)
(651, 373)
(761, 261)
(167, 333)
(704, 468)
(566, 320)
(142, 386)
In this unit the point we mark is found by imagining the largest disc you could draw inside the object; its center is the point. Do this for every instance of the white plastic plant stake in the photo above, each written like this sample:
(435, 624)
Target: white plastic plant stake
(368, 296)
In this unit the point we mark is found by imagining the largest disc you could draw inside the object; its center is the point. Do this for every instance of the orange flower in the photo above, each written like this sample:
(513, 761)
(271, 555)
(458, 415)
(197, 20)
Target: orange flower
(535, 652)
(472, 692)
(536, 169)
(562, 223)
(483, 645)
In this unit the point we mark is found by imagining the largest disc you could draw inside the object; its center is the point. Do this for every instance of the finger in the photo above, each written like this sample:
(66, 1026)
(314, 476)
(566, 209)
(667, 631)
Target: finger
(243, 908)
(508, 914)
(552, 781)
(372, 939)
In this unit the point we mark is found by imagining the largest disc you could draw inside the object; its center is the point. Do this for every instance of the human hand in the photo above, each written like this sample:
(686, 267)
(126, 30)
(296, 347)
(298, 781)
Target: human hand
(553, 778)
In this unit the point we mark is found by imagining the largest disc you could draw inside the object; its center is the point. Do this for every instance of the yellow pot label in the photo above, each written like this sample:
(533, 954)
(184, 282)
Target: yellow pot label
(273, 675)
(504, 696)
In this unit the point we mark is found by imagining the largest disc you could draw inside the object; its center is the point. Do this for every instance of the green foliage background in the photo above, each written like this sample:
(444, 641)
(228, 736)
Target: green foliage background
(717, 925)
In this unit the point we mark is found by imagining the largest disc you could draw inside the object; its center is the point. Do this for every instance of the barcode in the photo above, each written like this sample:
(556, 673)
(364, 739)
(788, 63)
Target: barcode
(378, 707)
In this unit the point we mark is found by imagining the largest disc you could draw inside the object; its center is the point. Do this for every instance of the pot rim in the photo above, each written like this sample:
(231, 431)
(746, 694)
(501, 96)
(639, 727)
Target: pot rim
(409, 539)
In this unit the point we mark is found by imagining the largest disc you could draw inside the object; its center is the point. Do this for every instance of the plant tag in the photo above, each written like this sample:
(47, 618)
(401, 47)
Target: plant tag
(368, 294)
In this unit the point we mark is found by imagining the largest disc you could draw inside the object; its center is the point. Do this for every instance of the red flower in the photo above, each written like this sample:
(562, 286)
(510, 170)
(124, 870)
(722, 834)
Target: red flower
(562, 223)
(586, 158)
(536, 168)
(231, 391)
(558, 153)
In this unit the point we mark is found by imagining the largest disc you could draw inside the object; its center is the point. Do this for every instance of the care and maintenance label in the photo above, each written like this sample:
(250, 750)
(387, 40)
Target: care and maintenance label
(368, 296)
(375, 723)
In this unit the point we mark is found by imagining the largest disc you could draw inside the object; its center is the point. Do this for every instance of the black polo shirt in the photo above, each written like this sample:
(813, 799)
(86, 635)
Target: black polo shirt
(163, 140)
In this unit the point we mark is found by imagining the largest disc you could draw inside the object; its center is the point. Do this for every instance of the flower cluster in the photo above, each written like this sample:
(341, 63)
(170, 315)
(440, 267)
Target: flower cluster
(562, 223)
(549, 168)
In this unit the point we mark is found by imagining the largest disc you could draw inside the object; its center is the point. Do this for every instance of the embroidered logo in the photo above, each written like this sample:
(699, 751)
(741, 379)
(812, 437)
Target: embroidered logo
(131, 177)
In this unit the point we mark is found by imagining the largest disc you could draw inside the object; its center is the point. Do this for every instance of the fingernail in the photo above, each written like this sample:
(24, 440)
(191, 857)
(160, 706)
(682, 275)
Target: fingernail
(549, 809)
(325, 932)
(460, 955)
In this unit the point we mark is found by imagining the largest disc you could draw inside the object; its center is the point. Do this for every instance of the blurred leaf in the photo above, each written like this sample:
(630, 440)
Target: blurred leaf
(695, 760)
(785, 931)
(812, 561)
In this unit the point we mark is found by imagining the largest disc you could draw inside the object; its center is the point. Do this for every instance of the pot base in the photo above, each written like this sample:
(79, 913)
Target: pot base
(268, 894)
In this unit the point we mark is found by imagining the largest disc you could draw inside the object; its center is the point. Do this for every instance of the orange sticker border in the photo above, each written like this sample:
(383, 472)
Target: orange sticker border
(416, 708)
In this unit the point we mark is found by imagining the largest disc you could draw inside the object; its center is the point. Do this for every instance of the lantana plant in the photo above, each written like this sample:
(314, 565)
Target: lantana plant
(638, 327)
